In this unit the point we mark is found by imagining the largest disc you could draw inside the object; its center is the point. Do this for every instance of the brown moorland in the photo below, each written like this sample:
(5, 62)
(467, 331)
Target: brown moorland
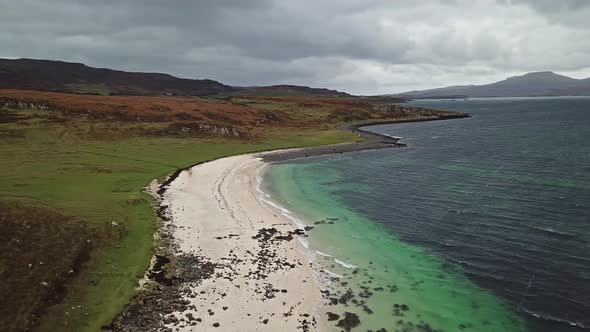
(246, 113)
(133, 108)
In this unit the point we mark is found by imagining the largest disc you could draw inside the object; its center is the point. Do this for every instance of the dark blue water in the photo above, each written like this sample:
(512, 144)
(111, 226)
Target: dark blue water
(505, 195)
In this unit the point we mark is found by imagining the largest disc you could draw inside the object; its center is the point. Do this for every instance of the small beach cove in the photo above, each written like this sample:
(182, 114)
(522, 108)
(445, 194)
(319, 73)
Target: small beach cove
(246, 261)
(225, 244)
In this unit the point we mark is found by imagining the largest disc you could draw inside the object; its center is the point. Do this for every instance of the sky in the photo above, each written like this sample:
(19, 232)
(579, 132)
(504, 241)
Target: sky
(358, 46)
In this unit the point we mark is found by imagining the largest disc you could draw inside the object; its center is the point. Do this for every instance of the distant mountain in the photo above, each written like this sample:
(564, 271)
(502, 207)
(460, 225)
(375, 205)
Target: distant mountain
(59, 76)
(544, 83)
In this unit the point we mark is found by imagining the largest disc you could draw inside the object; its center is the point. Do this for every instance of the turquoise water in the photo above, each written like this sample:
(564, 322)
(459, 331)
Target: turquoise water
(387, 272)
(480, 225)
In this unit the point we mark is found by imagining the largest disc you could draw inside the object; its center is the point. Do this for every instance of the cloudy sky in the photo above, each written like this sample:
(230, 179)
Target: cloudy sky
(358, 46)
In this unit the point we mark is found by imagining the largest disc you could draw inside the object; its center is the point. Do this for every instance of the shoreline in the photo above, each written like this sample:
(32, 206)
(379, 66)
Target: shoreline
(227, 261)
(372, 141)
(261, 280)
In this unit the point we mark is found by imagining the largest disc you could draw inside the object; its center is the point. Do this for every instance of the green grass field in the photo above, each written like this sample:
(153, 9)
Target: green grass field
(94, 174)
(91, 89)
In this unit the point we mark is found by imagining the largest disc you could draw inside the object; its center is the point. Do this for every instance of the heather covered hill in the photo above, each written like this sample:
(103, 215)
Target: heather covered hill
(242, 116)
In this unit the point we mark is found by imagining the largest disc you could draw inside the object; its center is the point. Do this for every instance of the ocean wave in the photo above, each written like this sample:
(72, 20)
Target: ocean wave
(448, 244)
(258, 184)
(274, 205)
(285, 213)
(394, 137)
(585, 259)
(303, 242)
(262, 192)
(332, 274)
(552, 231)
(346, 265)
(553, 319)
(298, 223)
(322, 254)
(323, 275)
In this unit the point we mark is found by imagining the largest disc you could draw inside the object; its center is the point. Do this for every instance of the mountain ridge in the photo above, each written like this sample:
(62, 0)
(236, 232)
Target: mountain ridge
(533, 84)
(74, 77)
(61, 76)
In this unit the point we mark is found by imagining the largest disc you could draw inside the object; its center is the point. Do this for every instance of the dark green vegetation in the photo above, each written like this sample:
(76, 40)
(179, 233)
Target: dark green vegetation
(88, 89)
(281, 91)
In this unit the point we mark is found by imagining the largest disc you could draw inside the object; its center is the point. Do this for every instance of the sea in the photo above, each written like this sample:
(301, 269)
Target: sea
(479, 224)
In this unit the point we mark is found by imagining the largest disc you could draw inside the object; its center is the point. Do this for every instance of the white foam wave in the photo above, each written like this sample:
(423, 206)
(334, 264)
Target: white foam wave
(323, 275)
(262, 192)
(276, 206)
(332, 274)
(322, 254)
(552, 318)
(346, 265)
(303, 242)
(552, 230)
(284, 212)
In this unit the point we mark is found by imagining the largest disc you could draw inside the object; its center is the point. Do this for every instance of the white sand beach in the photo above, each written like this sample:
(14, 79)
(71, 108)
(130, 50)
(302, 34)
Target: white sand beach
(264, 281)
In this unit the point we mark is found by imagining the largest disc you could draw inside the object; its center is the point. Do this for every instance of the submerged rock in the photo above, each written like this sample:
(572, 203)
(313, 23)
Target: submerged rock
(332, 316)
(349, 321)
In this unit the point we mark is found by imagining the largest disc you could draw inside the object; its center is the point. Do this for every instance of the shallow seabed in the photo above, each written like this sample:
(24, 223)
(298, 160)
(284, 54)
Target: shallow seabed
(371, 273)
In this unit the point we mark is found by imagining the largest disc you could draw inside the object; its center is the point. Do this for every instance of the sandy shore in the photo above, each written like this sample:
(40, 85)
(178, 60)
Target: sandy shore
(260, 279)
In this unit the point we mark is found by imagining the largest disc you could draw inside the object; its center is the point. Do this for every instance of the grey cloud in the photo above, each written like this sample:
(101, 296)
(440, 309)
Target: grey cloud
(370, 46)
(563, 12)
(551, 6)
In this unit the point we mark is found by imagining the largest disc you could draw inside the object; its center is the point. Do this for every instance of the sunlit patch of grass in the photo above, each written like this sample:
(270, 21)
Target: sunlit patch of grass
(92, 89)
